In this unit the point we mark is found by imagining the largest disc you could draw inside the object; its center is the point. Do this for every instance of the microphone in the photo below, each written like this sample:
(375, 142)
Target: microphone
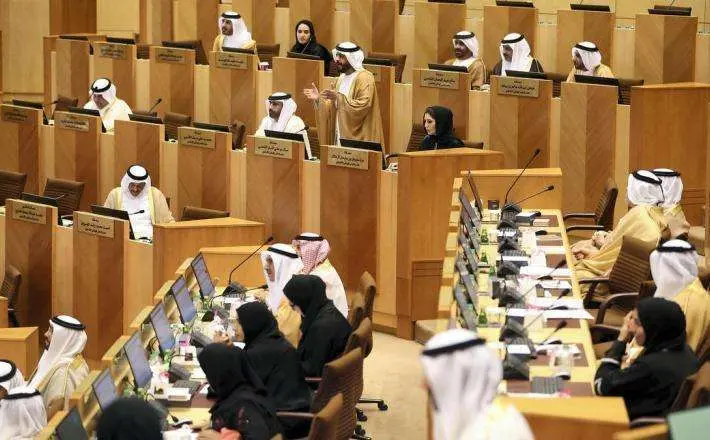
(546, 189)
(263, 286)
(267, 241)
(540, 315)
(157, 101)
(560, 326)
(534, 155)
(305, 128)
(137, 212)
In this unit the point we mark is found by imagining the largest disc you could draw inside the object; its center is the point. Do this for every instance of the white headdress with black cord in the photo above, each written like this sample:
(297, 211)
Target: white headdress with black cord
(469, 39)
(590, 55)
(105, 88)
(644, 188)
(674, 265)
(352, 52)
(68, 340)
(22, 414)
(288, 110)
(672, 186)
(240, 35)
(521, 59)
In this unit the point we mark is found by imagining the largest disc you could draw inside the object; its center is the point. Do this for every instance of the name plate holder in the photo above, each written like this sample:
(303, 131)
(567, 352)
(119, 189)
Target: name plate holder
(232, 60)
(348, 158)
(29, 212)
(93, 224)
(196, 137)
(114, 51)
(16, 114)
(169, 55)
(272, 147)
(521, 87)
(72, 121)
(440, 79)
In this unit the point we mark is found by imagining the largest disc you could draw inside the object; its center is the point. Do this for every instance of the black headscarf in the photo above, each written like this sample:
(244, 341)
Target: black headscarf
(308, 293)
(444, 137)
(663, 324)
(258, 323)
(242, 401)
(312, 47)
(129, 418)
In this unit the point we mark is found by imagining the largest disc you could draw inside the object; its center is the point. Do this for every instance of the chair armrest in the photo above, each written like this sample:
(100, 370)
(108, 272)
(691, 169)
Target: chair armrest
(589, 299)
(594, 280)
(578, 215)
(599, 331)
(585, 228)
(314, 379)
(646, 421)
(294, 415)
(610, 301)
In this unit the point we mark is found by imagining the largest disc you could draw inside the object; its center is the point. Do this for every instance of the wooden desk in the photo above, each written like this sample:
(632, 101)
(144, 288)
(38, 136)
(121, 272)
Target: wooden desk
(21, 345)
(174, 242)
(221, 260)
(493, 184)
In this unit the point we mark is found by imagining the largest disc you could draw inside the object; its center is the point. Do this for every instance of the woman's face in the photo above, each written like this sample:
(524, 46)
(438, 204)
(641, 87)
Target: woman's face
(429, 124)
(303, 33)
(636, 328)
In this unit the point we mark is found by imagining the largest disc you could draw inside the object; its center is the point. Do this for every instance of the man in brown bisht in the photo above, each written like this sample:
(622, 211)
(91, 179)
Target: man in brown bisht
(350, 108)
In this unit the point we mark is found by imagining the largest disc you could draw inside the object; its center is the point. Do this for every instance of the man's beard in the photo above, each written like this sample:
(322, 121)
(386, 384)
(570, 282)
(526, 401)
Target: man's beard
(273, 115)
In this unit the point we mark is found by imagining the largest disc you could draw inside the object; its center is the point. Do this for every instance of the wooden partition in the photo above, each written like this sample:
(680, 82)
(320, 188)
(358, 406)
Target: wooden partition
(293, 75)
(196, 170)
(498, 21)
(72, 16)
(321, 13)
(174, 242)
(233, 89)
(423, 207)
(576, 26)
(72, 70)
(196, 20)
(99, 261)
(434, 27)
(493, 184)
(448, 89)
(172, 78)
(521, 124)
(259, 18)
(137, 143)
(20, 142)
(374, 24)
(51, 66)
(75, 153)
(669, 126)
(117, 62)
(350, 188)
(587, 143)
(665, 48)
(275, 186)
(156, 21)
(21, 346)
(384, 85)
(29, 246)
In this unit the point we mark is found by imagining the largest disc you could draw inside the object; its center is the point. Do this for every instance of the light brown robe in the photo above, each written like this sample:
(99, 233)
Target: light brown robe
(358, 112)
(219, 39)
(601, 71)
(477, 70)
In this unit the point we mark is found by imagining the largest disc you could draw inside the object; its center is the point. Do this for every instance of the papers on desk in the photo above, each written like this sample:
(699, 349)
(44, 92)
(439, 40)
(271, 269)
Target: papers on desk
(555, 284)
(570, 303)
(552, 314)
(537, 271)
(518, 349)
(552, 250)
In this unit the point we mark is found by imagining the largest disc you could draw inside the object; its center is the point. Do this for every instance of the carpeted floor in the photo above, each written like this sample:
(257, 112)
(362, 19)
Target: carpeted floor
(393, 373)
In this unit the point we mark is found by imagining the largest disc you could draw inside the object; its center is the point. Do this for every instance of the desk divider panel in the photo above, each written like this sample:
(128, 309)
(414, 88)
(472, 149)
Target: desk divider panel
(499, 21)
(75, 155)
(99, 260)
(233, 89)
(665, 48)
(137, 143)
(373, 25)
(384, 84)
(292, 75)
(434, 27)
(172, 78)
(29, 246)
(275, 186)
(448, 89)
(20, 142)
(117, 62)
(576, 26)
(321, 13)
(520, 119)
(72, 69)
(259, 18)
(350, 191)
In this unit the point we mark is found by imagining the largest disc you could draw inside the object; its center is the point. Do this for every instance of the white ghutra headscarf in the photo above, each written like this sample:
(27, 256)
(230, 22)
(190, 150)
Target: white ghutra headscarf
(521, 59)
(286, 265)
(674, 266)
(288, 110)
(22, 414)
(101, 87)
(141, 222)
(644, 188)
(10, 376)
(470, 40)
(672, 186)
(352, 52)
(590, 55)
(463, 375)
(240, 35)
(68, 340)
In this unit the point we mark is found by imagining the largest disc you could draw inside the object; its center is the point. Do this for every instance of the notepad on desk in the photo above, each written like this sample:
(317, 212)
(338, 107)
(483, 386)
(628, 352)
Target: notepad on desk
(537, 271)
(570, 303)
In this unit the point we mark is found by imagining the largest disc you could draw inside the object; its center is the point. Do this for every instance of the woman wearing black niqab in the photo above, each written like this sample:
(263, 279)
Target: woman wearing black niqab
(324, 330)
(649, 385)
(310, 46)
(277, 364)
(129, 418)
(242, 402)
(442, 136)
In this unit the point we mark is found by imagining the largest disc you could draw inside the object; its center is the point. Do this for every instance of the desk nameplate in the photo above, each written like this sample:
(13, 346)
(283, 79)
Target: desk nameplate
(439, 79)
(522, 87)
(348, 158)
(270, 147)
(93, 224)
(168, 55)
(72, 121)
(29, 212)
(231, 60)
(115, 51)
(195, 137)
(16, 114)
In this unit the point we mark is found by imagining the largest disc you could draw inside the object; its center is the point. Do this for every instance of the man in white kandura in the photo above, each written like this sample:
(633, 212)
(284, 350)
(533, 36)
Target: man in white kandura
(281, 115)
(103, 99)
(22, 414)
(61, 368)
(10, 377)
(145, 204)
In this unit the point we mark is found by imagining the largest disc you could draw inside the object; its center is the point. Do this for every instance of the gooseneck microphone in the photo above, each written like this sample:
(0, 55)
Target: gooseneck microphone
(267, 241)
(157, 101)
(546, 189)
(512, 185)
